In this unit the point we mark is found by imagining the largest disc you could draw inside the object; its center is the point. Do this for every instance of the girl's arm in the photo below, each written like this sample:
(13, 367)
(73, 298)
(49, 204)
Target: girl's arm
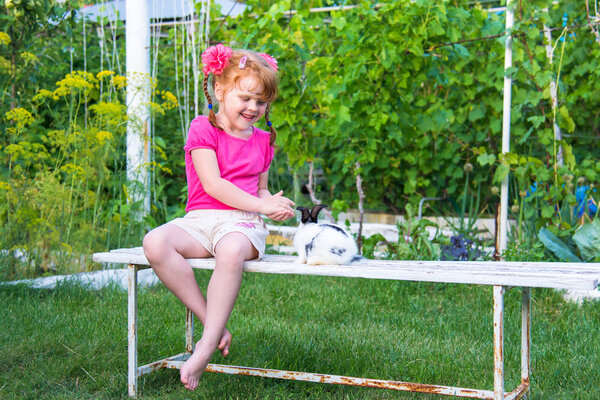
(263, 192)
(207, 168)
(263, 185)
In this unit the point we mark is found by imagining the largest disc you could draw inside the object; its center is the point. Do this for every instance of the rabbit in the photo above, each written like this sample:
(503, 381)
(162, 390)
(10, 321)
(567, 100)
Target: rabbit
(323, 243)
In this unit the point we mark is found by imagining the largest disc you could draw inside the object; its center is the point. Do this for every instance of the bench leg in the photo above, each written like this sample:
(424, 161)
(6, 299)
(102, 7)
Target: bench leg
(189, 331)
(499, 342)
(525, 336)
(132, 330)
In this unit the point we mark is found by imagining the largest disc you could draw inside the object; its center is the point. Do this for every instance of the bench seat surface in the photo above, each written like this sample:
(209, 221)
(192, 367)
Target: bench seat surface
(583, 276)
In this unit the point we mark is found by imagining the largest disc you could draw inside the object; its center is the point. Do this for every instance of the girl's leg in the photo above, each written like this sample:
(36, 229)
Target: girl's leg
(231, 252)
(166, 248)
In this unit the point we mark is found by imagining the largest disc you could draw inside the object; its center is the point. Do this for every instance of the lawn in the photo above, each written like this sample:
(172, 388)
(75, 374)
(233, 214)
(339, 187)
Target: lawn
(70, 343)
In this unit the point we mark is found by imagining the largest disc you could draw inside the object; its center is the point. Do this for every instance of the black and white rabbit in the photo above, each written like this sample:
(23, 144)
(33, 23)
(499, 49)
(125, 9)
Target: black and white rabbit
(323, 243)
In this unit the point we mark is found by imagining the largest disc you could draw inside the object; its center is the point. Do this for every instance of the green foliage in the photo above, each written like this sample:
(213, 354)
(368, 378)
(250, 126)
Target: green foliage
(529, 249)
(413, 91)
(337, 207)
(29, 51)
(415, 241)
(584, 245)
(62, 182)
(587, 239)
(557, 246)
(62, 146)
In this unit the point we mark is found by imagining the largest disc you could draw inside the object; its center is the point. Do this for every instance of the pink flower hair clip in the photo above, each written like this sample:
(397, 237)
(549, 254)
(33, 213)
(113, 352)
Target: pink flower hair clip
(272, 61)
(215, 59)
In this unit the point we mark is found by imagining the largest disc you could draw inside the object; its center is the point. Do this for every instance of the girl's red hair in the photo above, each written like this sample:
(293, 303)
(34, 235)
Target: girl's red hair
(256, 67)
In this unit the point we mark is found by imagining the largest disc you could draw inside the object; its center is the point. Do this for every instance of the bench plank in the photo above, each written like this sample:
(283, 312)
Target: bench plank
(582, 276)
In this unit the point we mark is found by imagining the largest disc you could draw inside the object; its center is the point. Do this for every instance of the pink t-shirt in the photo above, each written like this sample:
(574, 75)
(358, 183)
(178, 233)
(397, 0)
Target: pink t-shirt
(240, 161)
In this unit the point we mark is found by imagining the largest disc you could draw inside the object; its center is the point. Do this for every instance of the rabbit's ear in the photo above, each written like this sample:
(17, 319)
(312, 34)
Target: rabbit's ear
(314, 212)
(305, 214)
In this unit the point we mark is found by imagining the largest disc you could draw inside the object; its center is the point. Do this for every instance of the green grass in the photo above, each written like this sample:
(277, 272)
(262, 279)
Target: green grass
(70, 343)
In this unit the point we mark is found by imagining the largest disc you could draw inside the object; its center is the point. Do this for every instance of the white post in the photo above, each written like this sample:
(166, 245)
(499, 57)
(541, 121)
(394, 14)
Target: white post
(137, 33)
(506, 124)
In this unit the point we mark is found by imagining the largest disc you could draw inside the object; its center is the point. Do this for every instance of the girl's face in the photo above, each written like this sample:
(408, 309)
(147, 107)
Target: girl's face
(240, 106)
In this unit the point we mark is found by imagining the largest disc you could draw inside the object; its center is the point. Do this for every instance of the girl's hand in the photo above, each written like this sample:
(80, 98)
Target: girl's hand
(278, 206)
(281, 215)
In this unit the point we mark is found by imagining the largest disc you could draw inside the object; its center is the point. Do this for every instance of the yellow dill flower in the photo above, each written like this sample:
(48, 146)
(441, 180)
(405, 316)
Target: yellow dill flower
(119, 81)
(4, 38)
(91, 197)
(154, 166)
(170, 100)
(20, 116)
(74, 82)
(103, 74)
(103, 136)
(156, 108)
(77, 80)
(72, 169)
(5, 187)
(88, 76)
(29, 57)
(109, 111)
(58, 138)
(5, 65)
(60, 92)
(42, 94)
(14, 150)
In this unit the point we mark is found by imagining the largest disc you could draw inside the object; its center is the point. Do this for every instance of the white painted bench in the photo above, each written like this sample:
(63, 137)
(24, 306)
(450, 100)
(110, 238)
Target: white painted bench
(499, 274)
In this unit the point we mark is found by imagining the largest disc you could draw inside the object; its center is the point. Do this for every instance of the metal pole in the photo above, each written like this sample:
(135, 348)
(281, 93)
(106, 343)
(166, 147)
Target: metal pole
(525, 335)
(132, 330)
(506, 125)
(137, 34)
(499, 342)
(189, 331)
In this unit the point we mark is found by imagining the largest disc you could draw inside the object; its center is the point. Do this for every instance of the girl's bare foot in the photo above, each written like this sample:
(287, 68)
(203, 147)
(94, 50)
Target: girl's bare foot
(225, 342)
(192, 369)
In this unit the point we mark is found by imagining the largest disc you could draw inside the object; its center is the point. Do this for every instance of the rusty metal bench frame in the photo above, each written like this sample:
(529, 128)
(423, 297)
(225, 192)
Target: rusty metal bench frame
(501, 275)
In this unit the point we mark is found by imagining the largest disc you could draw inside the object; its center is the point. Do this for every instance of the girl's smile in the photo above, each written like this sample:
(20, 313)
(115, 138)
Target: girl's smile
(240, 106)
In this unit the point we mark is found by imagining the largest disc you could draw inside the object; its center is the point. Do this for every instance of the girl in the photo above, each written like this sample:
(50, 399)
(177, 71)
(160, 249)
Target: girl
(227, 163)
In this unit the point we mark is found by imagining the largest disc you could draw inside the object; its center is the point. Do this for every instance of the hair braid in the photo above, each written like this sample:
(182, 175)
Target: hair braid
(212, 118)
(271, 128)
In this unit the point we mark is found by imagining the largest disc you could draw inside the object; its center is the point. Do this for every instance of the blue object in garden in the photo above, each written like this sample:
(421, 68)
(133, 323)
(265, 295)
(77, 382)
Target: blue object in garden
(460, 249)
(581, 194)
(565, 20)
(532, 189)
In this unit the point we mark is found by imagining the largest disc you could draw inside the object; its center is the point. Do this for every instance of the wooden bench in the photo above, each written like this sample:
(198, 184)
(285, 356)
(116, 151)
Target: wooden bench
(501, 275)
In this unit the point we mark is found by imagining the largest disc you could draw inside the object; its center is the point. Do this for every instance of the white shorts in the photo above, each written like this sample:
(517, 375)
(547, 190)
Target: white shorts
(209, 226)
